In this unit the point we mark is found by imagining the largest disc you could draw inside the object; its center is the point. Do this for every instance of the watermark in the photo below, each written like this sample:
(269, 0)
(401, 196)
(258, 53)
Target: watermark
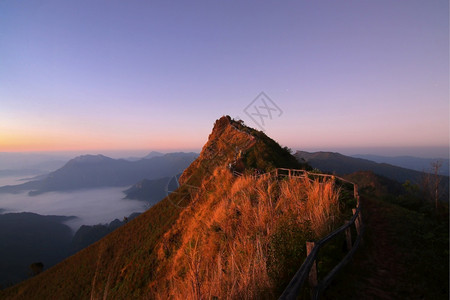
(262, 109)
(178, 194)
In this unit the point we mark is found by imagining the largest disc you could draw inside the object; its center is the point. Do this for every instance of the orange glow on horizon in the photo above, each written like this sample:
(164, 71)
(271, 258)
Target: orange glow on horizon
(27, 142)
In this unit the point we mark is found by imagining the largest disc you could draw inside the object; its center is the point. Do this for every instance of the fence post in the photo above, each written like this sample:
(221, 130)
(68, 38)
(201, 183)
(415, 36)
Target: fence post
(313, 271)
(348, 236)
(356, 194)
(357, 223)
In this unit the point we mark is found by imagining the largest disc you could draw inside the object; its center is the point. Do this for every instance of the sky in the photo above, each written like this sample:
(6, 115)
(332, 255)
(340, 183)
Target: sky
(349, 76)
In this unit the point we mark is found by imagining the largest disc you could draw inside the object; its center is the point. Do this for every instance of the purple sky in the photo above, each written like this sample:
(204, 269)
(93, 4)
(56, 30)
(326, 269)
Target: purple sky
(350, 76)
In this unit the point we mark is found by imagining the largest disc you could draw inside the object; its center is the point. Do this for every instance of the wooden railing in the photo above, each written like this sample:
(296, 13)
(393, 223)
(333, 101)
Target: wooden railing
(308, 269)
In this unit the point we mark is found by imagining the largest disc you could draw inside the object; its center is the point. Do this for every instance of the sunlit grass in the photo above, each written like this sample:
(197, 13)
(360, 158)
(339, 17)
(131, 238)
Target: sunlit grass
(245, 236)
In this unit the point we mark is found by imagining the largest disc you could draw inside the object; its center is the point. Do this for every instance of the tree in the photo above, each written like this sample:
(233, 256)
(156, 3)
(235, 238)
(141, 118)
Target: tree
(435, 167)
(431, 183)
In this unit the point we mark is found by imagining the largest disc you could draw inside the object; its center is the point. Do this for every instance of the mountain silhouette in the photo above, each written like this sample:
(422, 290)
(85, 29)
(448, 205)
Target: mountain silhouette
(92, 171)
(28, 238)
(138, 258)
(408, 162)
(342, 164)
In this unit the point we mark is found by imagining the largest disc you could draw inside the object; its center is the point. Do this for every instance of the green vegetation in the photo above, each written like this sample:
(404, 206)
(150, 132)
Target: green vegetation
(267, 154)
(405, 252)
(287, 251)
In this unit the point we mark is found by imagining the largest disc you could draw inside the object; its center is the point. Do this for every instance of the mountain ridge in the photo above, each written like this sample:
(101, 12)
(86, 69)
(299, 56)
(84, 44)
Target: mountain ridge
(91, 171)
(126, 261)
(409, 162)
(342, 164)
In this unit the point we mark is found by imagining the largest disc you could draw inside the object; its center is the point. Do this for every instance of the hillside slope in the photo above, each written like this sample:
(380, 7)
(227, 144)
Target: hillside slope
(405, 250)
(142, 258)
(27, 238)
(342, 164)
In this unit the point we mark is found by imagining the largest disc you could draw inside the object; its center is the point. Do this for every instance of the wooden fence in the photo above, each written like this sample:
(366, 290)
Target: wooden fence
(308, 269)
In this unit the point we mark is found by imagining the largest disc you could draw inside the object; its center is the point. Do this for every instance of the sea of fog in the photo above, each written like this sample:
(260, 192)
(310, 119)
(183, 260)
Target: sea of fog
(13, 180)
(90, 206)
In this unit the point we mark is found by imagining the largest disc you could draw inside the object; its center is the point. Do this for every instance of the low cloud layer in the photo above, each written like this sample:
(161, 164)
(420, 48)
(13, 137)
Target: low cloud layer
(11, 180)
(91, 206)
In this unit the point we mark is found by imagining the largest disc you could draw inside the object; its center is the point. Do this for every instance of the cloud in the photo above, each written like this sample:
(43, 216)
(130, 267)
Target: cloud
(91, 206)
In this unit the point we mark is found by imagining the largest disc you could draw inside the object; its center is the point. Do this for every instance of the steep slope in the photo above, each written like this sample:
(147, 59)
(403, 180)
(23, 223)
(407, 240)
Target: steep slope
(239, 147)
(91, 171)
(143, 258)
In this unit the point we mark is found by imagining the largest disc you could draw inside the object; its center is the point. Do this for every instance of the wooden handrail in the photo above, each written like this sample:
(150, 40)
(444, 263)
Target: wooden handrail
(327, 280)
(293, 288)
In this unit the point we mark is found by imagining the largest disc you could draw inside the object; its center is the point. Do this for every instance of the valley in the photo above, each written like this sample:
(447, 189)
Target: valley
(195, 242)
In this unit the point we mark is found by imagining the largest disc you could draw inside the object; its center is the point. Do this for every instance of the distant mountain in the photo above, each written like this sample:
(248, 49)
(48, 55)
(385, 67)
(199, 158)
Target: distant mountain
(145, 256)
(87, 235)
(342, 164)
(409, 162)
(27, 238)
(91, 171)
(375, 184)
(150, 155)
(152, 190)
(153, 154)
(27, 186)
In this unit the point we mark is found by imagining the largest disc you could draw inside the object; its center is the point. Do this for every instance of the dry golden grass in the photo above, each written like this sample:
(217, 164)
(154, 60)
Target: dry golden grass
(225, 239)
(235, 238)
